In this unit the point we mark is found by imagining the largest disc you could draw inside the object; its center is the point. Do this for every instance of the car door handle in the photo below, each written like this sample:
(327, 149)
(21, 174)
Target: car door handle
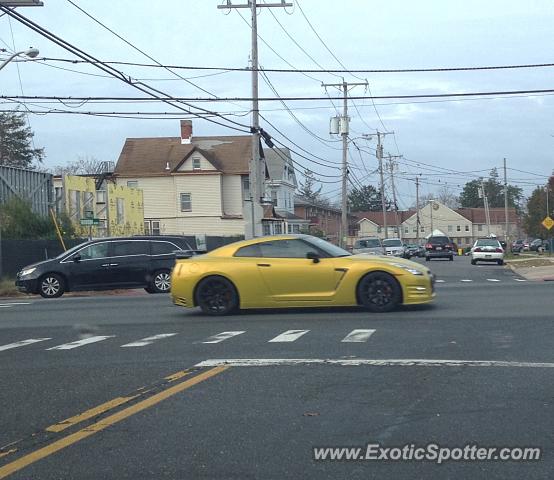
(114, 264)
(264, 265)
(105, 265)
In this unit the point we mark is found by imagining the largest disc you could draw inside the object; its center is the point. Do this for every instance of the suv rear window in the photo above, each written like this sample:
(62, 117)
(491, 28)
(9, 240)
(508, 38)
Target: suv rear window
(368, 243)
(440, 240)
(162, 248)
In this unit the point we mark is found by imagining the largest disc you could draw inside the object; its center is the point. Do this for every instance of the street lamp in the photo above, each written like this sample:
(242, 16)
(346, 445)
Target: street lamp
(31, 53)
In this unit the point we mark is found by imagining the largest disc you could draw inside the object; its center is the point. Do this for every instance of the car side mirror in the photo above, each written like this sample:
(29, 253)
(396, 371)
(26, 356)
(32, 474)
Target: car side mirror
(313, 256)
(76, 258)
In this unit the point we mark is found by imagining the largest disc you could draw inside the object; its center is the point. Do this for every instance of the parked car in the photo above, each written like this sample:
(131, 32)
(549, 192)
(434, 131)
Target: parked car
(296, 271)
(369, 245)
(439, 246)
(413, 250)
(394, 247)
(105, 264)
(487, 250)
(539, 245)
(517, 246)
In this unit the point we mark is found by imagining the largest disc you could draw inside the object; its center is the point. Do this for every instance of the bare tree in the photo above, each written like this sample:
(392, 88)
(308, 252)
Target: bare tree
(444, 195)
(81, 166)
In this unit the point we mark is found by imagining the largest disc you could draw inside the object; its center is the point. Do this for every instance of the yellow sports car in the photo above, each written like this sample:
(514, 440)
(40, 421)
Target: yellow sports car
(296, 271)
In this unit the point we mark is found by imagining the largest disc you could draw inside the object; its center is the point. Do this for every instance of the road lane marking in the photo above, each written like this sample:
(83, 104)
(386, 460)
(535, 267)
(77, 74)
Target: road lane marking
(80, 343)
(288, 336)
(220, 337)
(492, 280)
(14, 303)
(93, 412)
(357, 336)
(22, 343)
(105, 423)
(439, 281)
(148, 340)
(519, 280)
(349, 362)
(466, 280)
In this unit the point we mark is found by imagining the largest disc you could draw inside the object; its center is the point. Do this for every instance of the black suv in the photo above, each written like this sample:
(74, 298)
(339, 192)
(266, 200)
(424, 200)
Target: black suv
(439, 247)
(107, 263)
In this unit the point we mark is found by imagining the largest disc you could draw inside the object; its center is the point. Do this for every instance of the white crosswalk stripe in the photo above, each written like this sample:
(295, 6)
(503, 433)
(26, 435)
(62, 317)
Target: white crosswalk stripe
(288, 336)
(12, 304)
(358, 336)
(220, 337)
(22, 343)
(439, 281)
(148, 340)
(466, 280)
(492, 280)
(520, 280)
(80, 343)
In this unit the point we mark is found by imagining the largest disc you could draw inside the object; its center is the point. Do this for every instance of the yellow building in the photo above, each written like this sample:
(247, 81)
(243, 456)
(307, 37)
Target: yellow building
(119, 209)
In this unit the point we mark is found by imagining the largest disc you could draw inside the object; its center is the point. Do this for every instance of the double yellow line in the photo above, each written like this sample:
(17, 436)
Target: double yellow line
(106, 422)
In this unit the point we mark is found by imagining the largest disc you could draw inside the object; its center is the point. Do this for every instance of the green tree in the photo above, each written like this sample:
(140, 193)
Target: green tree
(18, 221)
(469, 198)
(16, 149)
(365, 199)
(536, 210)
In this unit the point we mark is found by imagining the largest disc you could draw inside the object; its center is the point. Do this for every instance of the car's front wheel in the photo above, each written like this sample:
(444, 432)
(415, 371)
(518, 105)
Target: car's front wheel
(379, 292)
(51, 285)
(161, 282)
(474, 262)
(216, 296)
(500, 262)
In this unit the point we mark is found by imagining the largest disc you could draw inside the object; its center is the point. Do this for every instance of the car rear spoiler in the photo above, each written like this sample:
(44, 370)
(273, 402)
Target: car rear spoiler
(184, 254)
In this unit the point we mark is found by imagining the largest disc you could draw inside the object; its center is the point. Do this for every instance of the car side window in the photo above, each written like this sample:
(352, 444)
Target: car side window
(249, 251)
(162, 248)
(96, 250)
(135, 247)
(286, 249)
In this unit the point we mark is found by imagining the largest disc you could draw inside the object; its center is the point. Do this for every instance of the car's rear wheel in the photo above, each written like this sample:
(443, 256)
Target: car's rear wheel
(500, 262)
(51, 285)
(451, 258)
(379, 292)
(474, 262)
(427, 259)
(161, 282)
(216, 296)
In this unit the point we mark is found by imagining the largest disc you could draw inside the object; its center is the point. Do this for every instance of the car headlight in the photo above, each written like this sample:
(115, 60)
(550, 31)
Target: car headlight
(413, 271)
(28, 271)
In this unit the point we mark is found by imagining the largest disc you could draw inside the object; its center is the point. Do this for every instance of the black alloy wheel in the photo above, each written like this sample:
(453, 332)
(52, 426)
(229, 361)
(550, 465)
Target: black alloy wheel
(51, 285)
(379, 292)
(216, 296)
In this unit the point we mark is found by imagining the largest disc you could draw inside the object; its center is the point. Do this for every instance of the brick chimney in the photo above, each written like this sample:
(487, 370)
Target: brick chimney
(186, 131)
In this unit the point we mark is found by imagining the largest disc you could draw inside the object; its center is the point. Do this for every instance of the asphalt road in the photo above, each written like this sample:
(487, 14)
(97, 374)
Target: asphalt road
(481, 372)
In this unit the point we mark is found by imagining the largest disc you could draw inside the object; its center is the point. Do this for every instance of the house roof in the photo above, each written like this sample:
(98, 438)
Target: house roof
(377, 217)
(276, 159)
(497, 215)
(150, 156)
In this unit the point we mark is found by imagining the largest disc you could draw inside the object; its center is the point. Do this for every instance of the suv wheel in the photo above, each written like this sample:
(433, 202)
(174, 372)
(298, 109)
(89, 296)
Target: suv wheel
(51, 285)
(161, 282)
(474, 262)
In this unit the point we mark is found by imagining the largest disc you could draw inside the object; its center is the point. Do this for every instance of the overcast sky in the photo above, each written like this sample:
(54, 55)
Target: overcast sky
(467, 135)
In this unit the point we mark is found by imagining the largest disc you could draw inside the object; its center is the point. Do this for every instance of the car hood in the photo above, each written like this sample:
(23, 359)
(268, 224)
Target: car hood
(389, 260)
(37, 264)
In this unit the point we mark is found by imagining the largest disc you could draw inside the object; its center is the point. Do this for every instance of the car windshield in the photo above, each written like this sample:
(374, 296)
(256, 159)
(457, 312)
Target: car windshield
(71, 250)
(487, 243)
(327, 247)
(393, 242)
(368, 243)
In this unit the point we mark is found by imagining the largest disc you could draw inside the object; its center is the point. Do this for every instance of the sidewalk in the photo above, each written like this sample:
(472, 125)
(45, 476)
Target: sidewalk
(536, 269)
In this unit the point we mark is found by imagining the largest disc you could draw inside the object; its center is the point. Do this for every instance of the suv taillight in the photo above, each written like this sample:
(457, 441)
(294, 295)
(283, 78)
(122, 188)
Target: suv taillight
(428, 245)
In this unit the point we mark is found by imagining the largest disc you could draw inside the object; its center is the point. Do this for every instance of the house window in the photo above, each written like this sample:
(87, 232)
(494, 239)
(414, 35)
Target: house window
(458, 228)
(406, 230)
(132, 183)
(289, 228)
(274, 197)
(422, 229)
(196, 163)
(266, 228)
(415, 229)
(120, 202)
(101, 196)
(296, 228)
(152, 227)
(480, 228)
(186, 202)
(378, 229)
(246, 186)
(449, 228)
(277, 228)
(467, 228)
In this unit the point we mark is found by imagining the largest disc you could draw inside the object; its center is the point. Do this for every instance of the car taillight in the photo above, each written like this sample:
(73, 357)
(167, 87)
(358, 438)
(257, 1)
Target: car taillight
(499, 250)
(448, 246)
(477, 250)
(428, 245)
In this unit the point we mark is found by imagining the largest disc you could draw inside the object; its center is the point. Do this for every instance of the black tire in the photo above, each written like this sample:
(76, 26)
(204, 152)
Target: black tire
(474, 262)
(160, 283)
(379, 292)
(51, 285)
(451, 258)
(500, 262)
(216, 296)
(427, 259)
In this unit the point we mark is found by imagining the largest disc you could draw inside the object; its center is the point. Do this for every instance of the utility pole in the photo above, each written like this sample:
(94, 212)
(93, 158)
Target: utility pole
(256, 172)
(417, 208)
(344, 129)
(507, 228)
(486, 205)
(432, 204)
(391, 168)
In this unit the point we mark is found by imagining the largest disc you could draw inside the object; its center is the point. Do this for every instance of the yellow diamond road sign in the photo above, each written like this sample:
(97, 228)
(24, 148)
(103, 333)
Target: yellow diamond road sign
(548, 223)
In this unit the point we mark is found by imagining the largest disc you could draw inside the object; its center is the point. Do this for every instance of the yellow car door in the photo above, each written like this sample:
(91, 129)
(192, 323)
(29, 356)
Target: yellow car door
(290, 276)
